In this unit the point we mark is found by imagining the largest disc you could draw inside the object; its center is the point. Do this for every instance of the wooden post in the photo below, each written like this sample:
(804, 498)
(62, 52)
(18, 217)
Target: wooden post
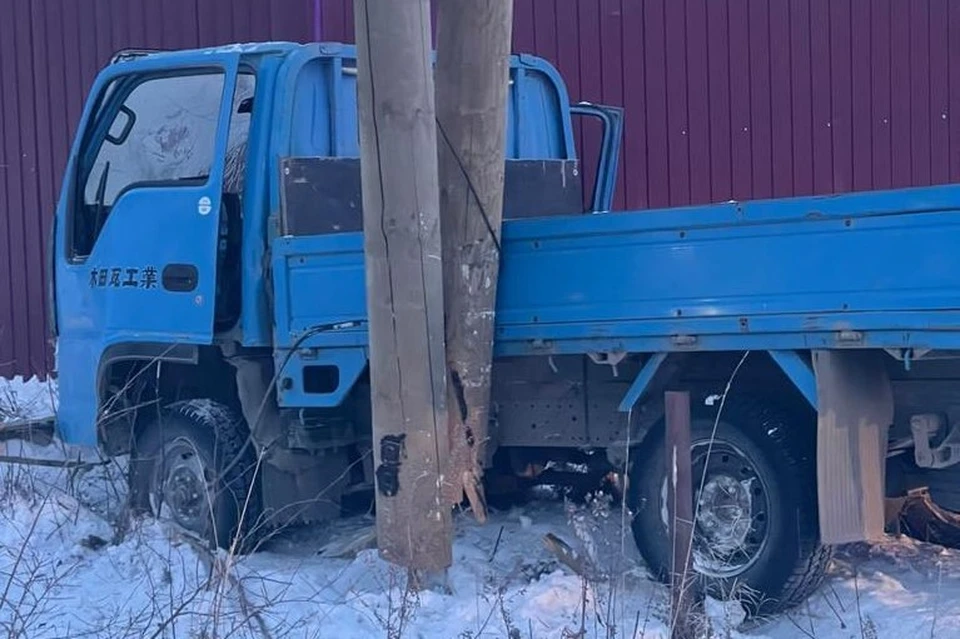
(680, 512)
(473, 74)
(404, 278)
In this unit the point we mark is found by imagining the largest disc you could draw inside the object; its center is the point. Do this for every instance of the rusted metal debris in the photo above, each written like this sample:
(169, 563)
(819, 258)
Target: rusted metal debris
(921, 518)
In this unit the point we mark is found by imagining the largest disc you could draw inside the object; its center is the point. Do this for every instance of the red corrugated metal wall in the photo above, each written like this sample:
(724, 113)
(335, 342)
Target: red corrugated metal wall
(724, 98)
(757, 98)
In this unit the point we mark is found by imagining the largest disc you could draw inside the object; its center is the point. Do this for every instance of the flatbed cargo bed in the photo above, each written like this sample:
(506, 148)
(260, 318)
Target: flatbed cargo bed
(861, 270)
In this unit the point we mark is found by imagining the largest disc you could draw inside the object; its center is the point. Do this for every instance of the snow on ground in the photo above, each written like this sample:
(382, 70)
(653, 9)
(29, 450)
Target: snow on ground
(27, 398)
(73, 565)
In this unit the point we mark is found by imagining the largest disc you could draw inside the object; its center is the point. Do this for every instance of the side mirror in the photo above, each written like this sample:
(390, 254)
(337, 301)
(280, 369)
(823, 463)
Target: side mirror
(122, 124)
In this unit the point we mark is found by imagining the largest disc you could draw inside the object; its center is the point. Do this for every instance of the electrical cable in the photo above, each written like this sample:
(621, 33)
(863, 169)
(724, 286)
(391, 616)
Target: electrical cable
(470, 186)
(310, 332)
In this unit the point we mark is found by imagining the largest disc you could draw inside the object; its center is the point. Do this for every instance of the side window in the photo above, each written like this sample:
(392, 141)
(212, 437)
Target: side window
(237, 143)
(229, 259)
(163, 132)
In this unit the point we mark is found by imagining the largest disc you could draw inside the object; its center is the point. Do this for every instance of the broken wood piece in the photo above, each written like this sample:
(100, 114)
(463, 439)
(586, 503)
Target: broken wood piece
(349, 548)
(569, 557)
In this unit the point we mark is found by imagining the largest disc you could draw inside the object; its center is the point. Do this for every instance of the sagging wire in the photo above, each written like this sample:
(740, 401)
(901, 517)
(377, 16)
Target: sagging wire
(473, 190)
(310, 332)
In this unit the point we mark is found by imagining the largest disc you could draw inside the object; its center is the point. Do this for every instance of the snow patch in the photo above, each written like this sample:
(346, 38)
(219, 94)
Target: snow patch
(31, 398)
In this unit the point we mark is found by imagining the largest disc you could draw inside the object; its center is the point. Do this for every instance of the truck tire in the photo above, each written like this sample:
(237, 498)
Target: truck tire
(762, 465)
(191, 466)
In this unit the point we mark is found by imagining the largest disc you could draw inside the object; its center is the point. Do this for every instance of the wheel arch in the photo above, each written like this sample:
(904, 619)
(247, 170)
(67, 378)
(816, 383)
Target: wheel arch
(706, 375)
(135, 380)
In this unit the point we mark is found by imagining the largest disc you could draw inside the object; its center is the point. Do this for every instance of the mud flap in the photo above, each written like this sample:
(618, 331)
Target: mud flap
(855, 411)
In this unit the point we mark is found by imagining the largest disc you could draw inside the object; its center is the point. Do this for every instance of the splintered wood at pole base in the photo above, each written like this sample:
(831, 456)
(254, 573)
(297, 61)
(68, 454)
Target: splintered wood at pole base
(473, 48)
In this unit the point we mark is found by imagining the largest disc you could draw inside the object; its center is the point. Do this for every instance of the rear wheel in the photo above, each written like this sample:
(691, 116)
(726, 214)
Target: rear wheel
(192, 467)
(756, 531)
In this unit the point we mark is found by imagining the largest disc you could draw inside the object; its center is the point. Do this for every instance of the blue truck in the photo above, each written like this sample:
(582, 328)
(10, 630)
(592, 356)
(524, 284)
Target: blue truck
(208, 303)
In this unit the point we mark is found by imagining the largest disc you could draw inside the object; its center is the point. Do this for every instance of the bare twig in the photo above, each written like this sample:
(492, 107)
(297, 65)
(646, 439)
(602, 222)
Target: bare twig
(837, 596)
(177, 612)
(843, 626)
(796, 625)
(22, 550)
(856, 589)
(51, 463)
(496, 545)
(936, 603)
(512, 631)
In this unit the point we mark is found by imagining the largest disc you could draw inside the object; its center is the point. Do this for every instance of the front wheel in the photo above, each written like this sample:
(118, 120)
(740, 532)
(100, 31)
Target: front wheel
(192, 466)
(756, 534)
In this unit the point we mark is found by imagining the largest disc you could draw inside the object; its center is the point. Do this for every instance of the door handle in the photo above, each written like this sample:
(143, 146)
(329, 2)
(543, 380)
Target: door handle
(180, 278)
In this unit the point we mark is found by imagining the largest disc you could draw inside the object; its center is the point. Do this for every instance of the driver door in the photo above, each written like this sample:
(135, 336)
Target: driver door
(139, 224)
(147, 199)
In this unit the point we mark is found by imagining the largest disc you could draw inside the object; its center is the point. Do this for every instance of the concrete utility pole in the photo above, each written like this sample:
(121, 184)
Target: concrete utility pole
(473, 48)
(404, 277)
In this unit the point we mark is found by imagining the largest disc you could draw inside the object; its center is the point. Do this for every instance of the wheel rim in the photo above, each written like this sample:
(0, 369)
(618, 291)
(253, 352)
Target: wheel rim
(731, 517)
(183, 487)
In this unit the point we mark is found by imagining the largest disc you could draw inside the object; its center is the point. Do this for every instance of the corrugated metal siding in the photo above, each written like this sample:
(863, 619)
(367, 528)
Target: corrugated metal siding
(742, 99)
(724, 98)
